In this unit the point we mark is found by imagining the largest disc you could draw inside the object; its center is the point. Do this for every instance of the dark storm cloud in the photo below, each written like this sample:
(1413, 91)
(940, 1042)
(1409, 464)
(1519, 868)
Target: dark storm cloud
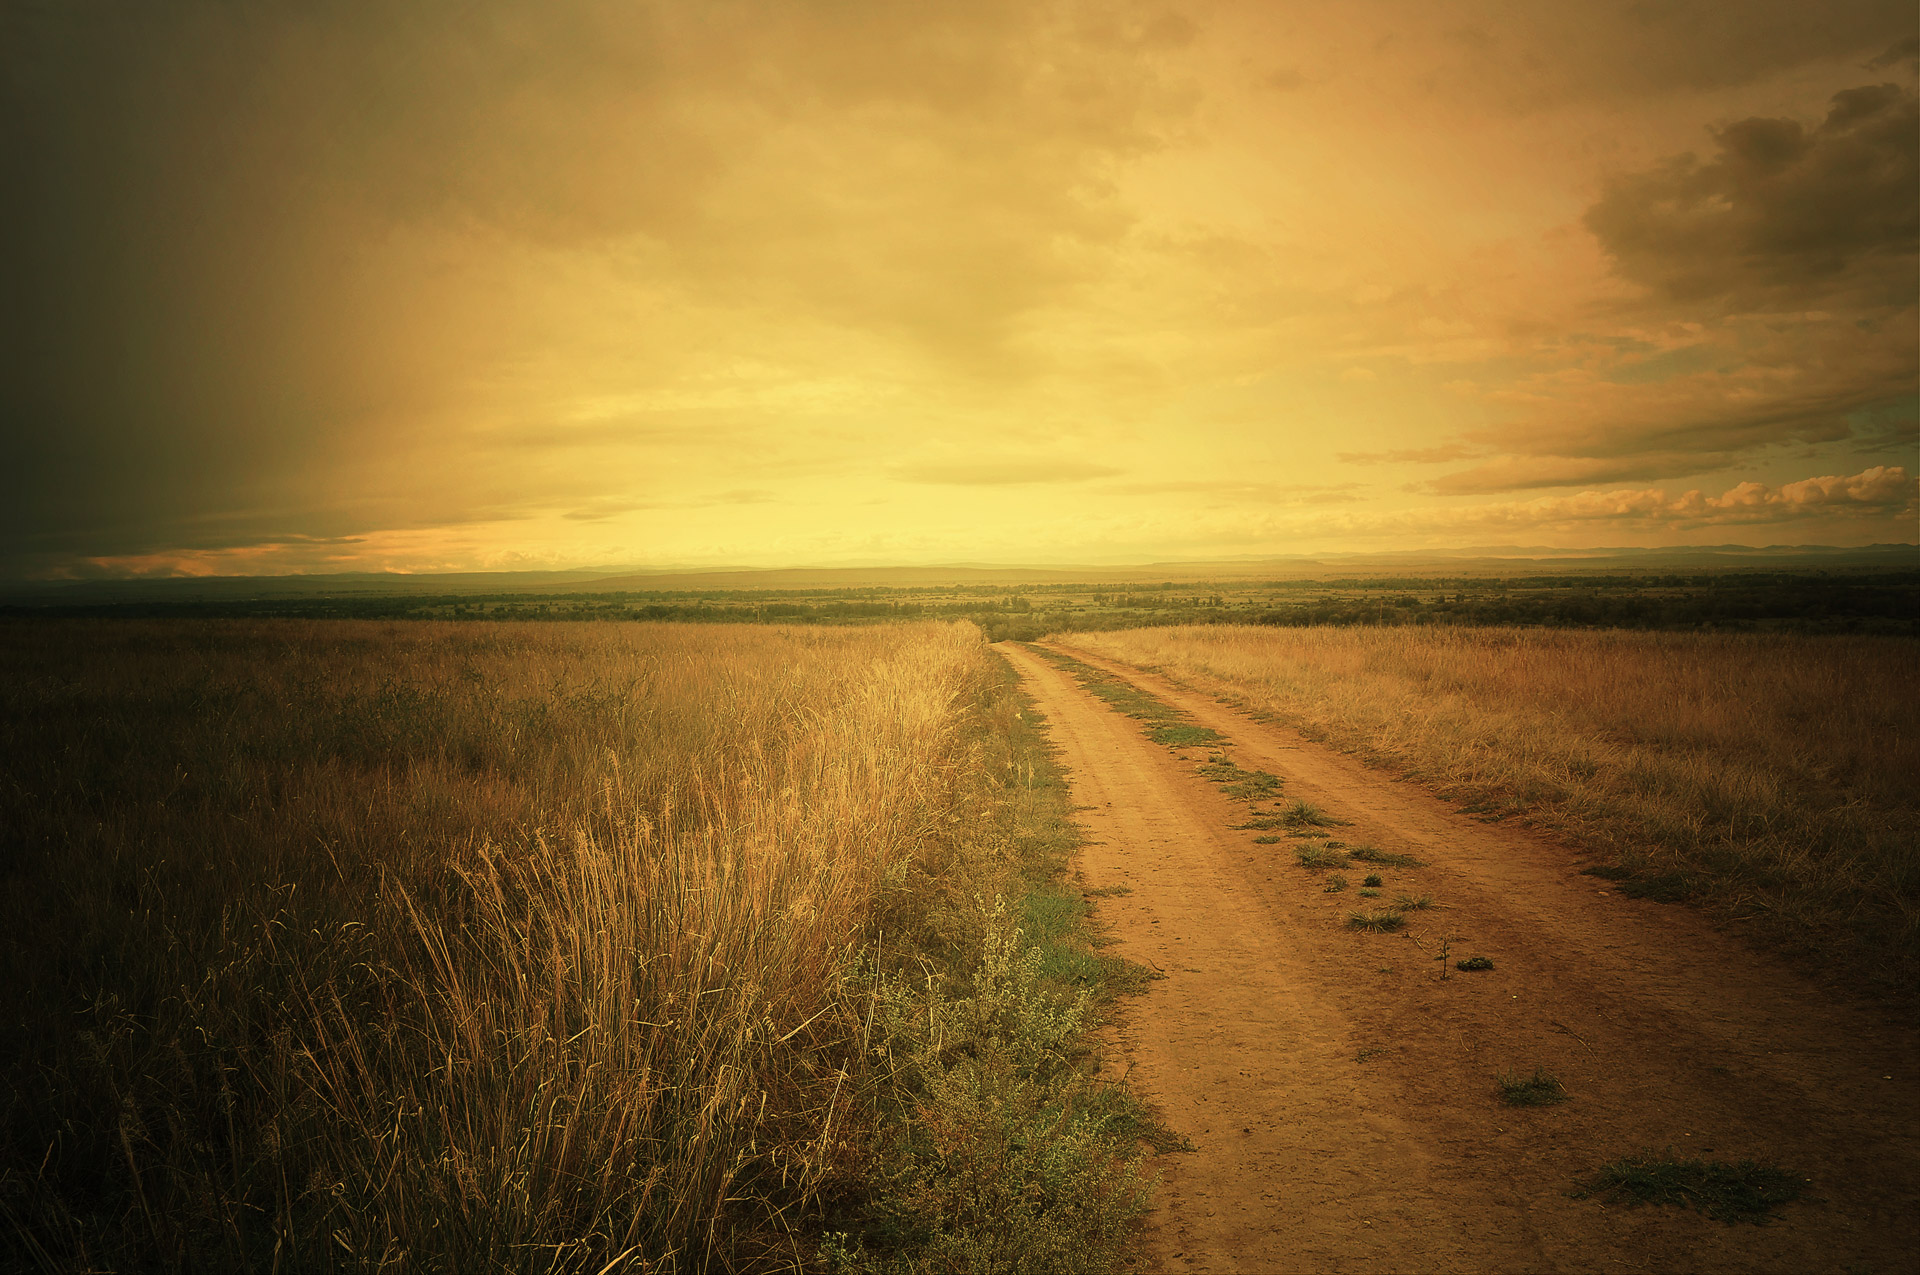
(264, 263)
(1534, 56)
(1790, 253)
(1782, 215)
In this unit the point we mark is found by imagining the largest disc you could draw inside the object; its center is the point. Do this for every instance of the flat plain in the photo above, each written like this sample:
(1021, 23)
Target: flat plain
(346, 944)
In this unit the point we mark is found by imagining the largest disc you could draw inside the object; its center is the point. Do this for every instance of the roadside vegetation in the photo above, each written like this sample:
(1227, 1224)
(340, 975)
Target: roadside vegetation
(1771, 778)
(544, 947)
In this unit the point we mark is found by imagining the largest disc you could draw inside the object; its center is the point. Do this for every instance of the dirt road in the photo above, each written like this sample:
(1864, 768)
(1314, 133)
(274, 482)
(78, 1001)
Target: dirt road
(1340, 1095)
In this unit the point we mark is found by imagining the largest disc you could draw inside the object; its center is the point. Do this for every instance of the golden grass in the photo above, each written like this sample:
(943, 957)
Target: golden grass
(1780, 775)
(472, 947)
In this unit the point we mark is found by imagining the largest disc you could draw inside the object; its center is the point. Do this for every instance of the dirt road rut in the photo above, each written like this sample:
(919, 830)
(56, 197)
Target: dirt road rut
(1340, 1095)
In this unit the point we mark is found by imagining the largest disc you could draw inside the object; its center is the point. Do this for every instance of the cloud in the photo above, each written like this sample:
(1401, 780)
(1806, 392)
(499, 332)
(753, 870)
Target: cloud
(298, 262)
(1879, 492)
(1902, 52)
(1006, 472)
(1227, 489)
(1411, 455)
(1519, 473)
(1781, 215)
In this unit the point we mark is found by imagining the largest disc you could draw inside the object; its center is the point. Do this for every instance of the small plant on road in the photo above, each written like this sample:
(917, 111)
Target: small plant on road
(1743, 1192)
(1375, 922)
(1318, 857)
(1384, 858)
(1538, 1090)
(1474, 963)
(1445, 949)
(1248, 785)
(1304, 814)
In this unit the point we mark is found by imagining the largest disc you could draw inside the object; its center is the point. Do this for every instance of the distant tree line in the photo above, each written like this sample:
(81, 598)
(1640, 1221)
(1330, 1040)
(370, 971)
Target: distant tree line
(1813, 602)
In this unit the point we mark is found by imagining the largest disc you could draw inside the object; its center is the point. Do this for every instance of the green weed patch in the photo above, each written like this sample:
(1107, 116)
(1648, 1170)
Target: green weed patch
(1748, 1191)
(1318, 857)
(1538, 1090)
(1164, 724)
(1384, 858)
(1376, 922)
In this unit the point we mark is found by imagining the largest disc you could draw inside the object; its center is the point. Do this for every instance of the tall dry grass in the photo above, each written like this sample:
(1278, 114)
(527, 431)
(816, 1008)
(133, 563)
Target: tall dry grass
(502, 947)
(1779, 774)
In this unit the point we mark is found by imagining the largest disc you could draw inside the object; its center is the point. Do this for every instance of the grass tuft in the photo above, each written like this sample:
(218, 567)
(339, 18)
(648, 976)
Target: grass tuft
(1473, 963)
(1334, 883)
(1538, 1090)
(1748, 1191)
(1304, 814)
(1319, 857)
(1412, 902)
(1375, 922)
(1385, 858)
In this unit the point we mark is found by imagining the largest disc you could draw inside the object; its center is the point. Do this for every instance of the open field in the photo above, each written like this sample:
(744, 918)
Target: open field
(542, 947)
(1771, 777)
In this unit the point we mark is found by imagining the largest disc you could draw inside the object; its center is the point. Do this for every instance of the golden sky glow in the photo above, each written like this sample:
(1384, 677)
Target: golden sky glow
(438, 286)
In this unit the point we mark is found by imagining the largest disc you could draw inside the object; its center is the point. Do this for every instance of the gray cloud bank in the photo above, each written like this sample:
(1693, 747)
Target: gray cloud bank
(1783, 215)
(1788, 261)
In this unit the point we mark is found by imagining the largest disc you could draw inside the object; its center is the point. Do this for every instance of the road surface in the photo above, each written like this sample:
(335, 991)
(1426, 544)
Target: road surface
(1340, 1095)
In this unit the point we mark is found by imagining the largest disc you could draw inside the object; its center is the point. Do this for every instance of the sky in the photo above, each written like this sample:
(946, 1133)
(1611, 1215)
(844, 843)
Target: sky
(448, 285)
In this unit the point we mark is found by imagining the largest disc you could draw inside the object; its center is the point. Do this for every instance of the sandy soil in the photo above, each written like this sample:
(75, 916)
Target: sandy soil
(1340, 1095)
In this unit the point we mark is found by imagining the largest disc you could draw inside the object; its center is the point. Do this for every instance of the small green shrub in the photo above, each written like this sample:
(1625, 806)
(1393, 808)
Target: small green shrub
(1474, 963)
(1373, 881)
(1335, 883)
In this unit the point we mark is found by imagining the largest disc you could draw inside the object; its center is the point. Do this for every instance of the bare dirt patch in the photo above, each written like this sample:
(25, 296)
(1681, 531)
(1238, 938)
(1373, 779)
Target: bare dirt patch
(1343, 1098)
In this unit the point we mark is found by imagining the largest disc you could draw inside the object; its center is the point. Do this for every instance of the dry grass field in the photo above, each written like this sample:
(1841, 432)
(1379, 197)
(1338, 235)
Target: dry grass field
(1774, 777)
(539, 947)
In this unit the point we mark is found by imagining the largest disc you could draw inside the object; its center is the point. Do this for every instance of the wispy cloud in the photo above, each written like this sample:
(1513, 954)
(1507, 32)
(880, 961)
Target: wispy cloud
(1440, 455)
(1010, 472)
(1872, 493)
